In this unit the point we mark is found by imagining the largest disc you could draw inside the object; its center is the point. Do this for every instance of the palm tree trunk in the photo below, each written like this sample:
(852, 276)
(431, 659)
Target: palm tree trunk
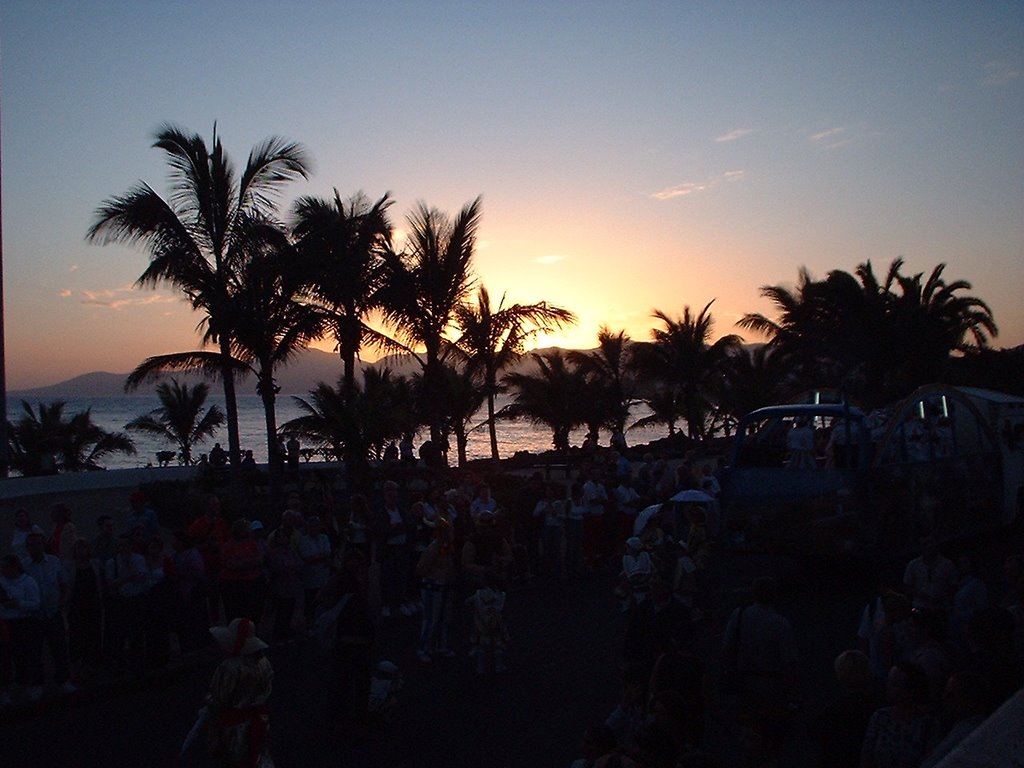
(461, 442)
(267, 395)
(230, 406)
(491, 428)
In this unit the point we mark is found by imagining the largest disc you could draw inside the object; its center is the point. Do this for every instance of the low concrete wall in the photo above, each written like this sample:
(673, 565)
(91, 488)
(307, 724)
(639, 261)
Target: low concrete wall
(997, 742)
(87, 494)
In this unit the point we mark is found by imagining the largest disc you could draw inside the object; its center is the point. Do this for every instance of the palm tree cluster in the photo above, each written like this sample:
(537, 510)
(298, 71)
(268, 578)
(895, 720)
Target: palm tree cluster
(267, 284)
(680, 375)
(48, 439)
(266, 289)
(876, 340)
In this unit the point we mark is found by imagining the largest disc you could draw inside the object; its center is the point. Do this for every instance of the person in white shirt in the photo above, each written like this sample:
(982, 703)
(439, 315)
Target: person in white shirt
(575, 512)
(127, 579)
(20, 602)
(551, 511)
(49, 573)
(595, 499)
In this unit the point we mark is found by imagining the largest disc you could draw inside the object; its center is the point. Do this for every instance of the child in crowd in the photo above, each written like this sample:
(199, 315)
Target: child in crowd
(489, 636)
(384, 687)
(635, 577)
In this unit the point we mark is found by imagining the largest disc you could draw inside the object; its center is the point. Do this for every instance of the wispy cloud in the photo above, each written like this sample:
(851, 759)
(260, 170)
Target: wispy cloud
(692, 187)
(119, 298)
(1000, 73)
(551, 258)
(73, 268)
(679, 190)
(65, 293)
(735, 133)
(840, 136)
(827, 134)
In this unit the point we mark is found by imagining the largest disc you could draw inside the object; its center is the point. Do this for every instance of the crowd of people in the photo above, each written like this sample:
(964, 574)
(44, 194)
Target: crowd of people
(933, 655)
(943, 652)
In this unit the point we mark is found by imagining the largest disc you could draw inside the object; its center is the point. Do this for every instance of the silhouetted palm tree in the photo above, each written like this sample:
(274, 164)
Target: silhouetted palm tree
(609, 374)
(462, 395)
(47, 440)
(182, 418)
(424, 286)
(379, 412)
(198, 239)
(494, 338)
(755, 376)
(341, 246)
(683, 358)
(269, 327)
(554, 396)
(666, 408)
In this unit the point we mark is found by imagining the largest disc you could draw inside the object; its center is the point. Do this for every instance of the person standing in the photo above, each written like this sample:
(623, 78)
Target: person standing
(315, 553)
(208, 532)
(62, 537)
(241, 578)
(575, 512)
(292, 449)
(20, 602)
(22, 528)
(931, 580)
(761, 645)
(140, 513)
(284, 570)
(85, 609)
(550, 510)
(436, 569)
(127, 579)
(353, 642)
(237, 699)
(49, 573)
(595, 500)
(104, 546)
(187, 577)
(392, 527)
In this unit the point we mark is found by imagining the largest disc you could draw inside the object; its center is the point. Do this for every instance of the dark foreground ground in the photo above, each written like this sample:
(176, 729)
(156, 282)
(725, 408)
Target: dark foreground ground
(563, 677)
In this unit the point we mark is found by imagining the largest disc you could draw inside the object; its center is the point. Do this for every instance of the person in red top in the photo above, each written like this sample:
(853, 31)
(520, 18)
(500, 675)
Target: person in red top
(208, 532)
(241, 578)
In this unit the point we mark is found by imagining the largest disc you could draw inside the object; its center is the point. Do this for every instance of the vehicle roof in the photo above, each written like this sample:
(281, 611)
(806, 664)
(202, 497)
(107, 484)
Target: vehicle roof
(992, 396)
(805, 409)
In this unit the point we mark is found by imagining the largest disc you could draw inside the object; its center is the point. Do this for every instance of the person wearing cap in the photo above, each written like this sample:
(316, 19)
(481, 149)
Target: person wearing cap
(237, 700)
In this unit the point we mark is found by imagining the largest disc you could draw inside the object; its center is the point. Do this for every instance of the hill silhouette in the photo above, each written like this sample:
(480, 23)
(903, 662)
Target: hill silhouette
(308, 368)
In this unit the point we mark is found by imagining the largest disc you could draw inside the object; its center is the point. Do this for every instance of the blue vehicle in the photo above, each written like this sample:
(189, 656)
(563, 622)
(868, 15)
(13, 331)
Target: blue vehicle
(827, 477)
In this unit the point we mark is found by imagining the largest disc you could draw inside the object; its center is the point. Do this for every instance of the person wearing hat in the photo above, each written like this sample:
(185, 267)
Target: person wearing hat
(237, 699)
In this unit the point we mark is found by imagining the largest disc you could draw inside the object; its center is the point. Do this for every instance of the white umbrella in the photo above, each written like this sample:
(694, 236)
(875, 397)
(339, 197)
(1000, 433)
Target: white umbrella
(643, 516)
(693, 495)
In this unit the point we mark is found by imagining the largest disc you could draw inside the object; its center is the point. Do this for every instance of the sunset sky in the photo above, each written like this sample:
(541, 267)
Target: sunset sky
(631, 156)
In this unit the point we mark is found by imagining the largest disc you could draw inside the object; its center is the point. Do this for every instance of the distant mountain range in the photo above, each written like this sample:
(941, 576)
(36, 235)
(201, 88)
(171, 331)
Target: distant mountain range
(306, 370)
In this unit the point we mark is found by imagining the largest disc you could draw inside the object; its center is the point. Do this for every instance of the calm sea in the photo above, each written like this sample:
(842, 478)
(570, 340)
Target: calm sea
(112, 413)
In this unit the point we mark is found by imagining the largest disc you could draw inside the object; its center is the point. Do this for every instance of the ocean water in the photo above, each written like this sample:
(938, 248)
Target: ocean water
(112, 413)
